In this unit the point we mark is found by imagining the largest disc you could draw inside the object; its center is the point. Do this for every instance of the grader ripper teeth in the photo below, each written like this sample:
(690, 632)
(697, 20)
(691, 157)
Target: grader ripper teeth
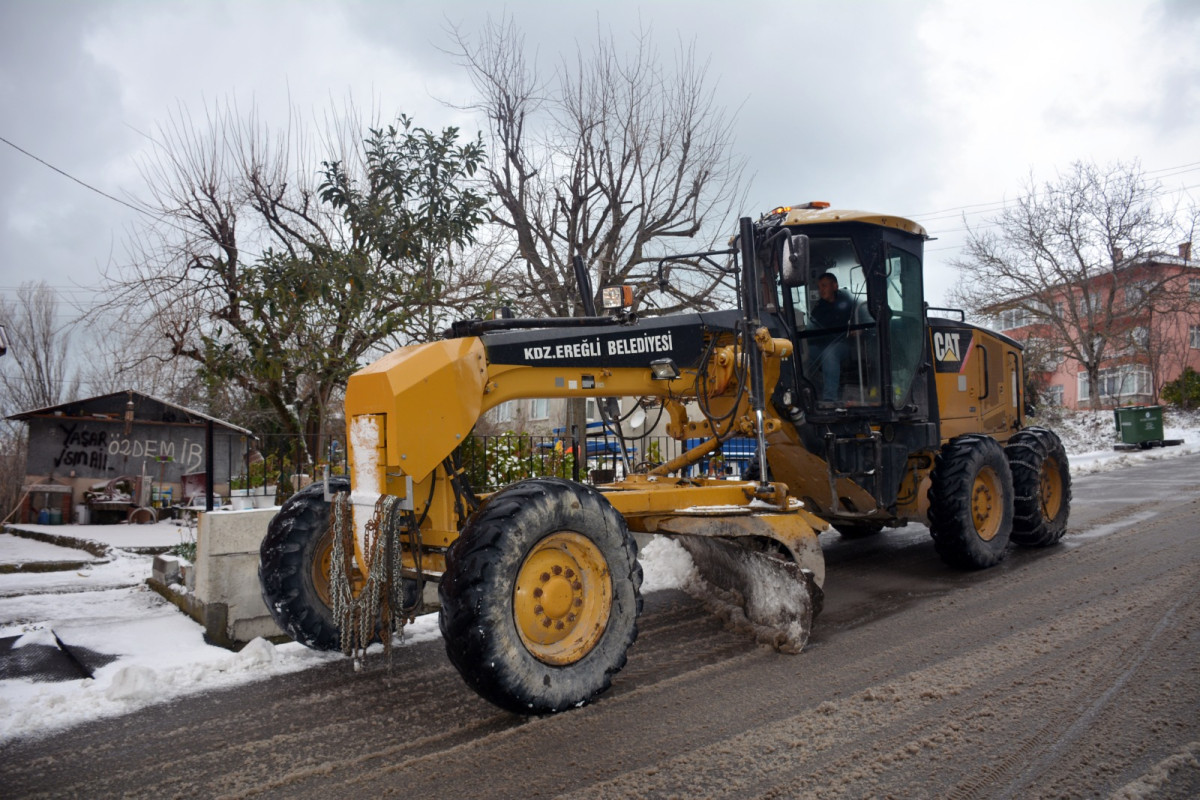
(867, 412)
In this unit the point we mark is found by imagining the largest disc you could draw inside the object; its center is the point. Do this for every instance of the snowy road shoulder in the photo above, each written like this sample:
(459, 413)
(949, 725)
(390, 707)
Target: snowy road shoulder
(159, 654)
(154, 654)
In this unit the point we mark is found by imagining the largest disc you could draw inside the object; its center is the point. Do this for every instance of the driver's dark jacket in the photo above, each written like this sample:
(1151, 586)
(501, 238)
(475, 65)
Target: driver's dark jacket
(835, 314)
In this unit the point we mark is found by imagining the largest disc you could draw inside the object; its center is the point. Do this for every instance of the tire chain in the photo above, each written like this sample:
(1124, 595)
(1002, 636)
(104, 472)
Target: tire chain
(358, 616)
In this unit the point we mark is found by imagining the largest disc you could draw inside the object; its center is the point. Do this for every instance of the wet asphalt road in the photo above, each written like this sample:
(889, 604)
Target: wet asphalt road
(1067, 672)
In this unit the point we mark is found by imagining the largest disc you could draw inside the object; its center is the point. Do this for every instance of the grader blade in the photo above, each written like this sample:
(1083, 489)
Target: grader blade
(771, 598)
(759, 573)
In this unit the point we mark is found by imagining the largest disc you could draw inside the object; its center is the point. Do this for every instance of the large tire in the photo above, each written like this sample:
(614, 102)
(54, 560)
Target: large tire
(541, 596)
(1041, 487)
(293, 567)
(857, 530)
(971, 502)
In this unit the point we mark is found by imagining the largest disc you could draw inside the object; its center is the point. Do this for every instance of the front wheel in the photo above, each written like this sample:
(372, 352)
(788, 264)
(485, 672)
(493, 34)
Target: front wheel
(1041, 485)
(541, 596)
(971, 502)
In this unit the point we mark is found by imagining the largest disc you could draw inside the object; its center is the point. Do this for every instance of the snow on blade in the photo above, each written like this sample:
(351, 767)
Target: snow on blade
(753, 593)
(666, 565)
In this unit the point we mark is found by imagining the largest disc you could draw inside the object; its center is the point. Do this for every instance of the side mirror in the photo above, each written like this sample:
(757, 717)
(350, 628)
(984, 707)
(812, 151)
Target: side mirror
(793, 261)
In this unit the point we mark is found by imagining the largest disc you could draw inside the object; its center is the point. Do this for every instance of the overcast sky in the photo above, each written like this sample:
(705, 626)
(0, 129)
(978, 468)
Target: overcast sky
(901, 107)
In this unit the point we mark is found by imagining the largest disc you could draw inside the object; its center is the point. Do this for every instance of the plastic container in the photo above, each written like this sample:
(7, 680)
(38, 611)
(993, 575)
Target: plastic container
(56, 516)
(43, 517)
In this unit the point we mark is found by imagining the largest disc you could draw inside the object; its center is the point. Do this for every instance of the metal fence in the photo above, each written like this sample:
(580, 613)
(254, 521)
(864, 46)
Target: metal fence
(492, 462)
(495, 461)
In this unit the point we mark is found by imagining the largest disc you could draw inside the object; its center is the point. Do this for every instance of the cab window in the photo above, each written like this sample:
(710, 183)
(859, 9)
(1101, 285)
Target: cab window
(905, 298)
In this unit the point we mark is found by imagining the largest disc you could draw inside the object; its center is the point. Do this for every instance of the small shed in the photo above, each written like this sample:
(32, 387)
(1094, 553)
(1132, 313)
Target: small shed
(129, 440)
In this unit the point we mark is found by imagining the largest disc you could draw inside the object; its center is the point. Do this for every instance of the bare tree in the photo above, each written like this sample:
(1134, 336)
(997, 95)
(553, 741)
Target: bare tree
(279, 266)
(1074, 259)
(618, 158)
(37, 372)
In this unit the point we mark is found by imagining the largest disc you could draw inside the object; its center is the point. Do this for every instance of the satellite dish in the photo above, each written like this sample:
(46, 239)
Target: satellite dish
(638, 419)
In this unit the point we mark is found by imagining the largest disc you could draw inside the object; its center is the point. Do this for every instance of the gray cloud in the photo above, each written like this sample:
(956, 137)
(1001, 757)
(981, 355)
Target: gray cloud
(898, 107)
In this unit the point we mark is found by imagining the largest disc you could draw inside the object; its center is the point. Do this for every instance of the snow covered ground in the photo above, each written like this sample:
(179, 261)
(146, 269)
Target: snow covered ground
(157, 653)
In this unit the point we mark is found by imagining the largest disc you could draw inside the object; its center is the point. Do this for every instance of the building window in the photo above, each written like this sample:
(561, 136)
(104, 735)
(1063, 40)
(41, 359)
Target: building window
(1015, 318)
(1117, 383)
(592, 416)
(1194, 336)
(1194, 287)
(539, 408)
(1053, 395)
(1136, 292)
(1140, 336)
(504, 411)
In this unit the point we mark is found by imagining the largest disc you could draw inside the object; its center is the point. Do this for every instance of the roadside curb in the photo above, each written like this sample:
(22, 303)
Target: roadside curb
(102, 553)
(97, 549)
(47, 566)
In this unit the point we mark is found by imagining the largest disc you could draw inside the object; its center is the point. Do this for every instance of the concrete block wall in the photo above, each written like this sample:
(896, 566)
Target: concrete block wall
(226, 589)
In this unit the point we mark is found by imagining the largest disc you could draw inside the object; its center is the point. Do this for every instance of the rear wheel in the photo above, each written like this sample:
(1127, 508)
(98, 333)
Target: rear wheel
(293, 567)
(541, 596)
(1041, 487)
(971, 502)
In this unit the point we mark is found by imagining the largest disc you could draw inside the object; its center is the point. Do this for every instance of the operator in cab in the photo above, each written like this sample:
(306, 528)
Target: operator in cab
(832, 312)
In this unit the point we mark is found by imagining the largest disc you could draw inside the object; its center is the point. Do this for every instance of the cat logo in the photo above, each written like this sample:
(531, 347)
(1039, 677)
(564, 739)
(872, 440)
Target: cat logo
(951, 349)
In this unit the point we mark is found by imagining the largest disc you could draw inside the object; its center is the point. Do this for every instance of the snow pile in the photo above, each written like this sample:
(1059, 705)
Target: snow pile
(1089, 438)
(665, 565)
(159, 654)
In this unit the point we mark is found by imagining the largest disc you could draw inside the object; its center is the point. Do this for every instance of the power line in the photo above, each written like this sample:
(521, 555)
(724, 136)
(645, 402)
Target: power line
(68, 175)
(998, 205)
(156, 217)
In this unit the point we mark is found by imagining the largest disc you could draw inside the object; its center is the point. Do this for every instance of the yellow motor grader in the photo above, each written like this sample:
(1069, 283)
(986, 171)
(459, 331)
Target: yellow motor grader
(868, 413)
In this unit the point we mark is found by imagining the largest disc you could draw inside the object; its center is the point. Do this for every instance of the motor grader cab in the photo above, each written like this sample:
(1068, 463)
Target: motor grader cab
(869, 417)
(883, 397)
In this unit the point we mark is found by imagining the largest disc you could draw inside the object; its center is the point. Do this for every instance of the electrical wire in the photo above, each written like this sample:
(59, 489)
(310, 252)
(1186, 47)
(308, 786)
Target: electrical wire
(146, 212)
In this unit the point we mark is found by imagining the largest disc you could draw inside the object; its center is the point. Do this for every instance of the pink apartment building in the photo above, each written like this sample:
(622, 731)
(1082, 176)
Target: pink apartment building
(1148, 313)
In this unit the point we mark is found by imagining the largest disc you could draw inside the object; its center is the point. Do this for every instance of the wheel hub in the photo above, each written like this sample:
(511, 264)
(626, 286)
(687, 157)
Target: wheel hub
(985, 511)
(562, 598)
(1051, 485)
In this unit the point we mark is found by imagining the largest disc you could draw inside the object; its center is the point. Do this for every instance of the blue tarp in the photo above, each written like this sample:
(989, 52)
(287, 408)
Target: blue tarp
(595, 447)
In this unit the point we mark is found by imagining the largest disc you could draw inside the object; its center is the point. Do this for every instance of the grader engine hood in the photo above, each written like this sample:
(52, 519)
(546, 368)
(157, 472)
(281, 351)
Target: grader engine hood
(428, 398)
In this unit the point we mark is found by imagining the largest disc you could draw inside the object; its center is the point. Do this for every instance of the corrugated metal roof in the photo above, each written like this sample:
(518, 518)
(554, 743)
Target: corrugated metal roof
(112, 407)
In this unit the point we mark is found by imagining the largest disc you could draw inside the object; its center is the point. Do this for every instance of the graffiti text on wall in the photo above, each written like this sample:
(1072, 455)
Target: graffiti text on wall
(189, 454)
(83, 448)
(96, 450)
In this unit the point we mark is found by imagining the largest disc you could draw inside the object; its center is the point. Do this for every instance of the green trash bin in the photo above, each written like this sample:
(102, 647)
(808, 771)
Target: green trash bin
(1140, 425)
